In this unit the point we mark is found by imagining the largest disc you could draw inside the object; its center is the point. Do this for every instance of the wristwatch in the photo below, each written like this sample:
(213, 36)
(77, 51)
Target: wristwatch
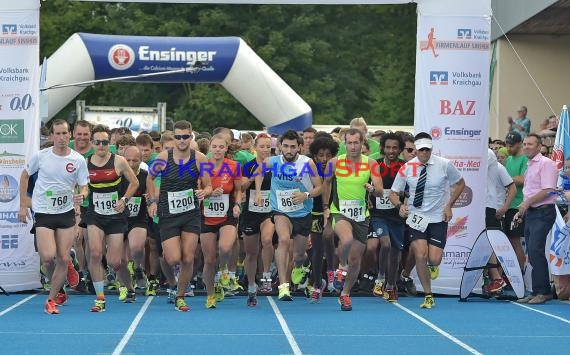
(308, 194)
(126, 199)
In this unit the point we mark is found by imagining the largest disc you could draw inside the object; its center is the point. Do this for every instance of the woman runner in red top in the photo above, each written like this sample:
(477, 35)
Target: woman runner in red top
(221, 211)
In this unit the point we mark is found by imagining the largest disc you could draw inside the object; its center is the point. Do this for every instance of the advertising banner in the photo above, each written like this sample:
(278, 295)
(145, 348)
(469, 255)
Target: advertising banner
(19, 138)
(452, 105)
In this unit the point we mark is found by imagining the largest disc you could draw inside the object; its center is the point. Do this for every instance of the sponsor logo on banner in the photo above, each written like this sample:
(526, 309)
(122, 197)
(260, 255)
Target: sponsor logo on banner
(458, 227)
(121, 57)
(9, 241)
(457, 107)
(465, 163)
(8, 188)
(9, 29)
(10, 217)
(455, 256)
(11, 131)
(465, 40)
(13, 265)
(465, 198)
(12, 160)
(456, 133)
(455, 78)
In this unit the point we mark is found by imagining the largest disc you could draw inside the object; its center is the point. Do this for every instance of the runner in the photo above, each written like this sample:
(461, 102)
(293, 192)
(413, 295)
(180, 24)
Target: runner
(350, 173)
(221, 211)
(256, 221)
(106, 217)
(60, 171)
(428, 209)
(294, 184)
(177, 202)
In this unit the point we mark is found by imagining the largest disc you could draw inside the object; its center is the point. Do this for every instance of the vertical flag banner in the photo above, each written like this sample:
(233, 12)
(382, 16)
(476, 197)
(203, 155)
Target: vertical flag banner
(19, 138)
(452, 104)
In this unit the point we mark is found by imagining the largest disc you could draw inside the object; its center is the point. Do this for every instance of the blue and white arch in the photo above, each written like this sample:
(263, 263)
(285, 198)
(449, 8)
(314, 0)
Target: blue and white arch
(228, 61)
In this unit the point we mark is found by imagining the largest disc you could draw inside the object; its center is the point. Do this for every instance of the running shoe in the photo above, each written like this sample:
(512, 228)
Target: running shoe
(225, 278)
(408, 286)
(298, 274)
(345, 303)
(51, 307)
(99, 306)
(233, 287)
(496, 285)
(151, 287)
(61, 298)
(171, 295)
(330, 281)
(392, 295)
(284, 293)
(316, 296)
(251, 299)
(219, 292)
(211, 302)
(181, 305)
(378, 290)
(123, 293)
(265, 286)
(131, 297)
(110, 277)
(131, 268)
(429, 302)
(339, 277)
(189, 290)
(139, 278)
(72, 275)
(433, 272)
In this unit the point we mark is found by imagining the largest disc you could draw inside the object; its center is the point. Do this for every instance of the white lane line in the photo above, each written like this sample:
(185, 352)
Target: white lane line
(542, 312)
(119, 349)
(285, 327)
(17, 304)
(438, 329)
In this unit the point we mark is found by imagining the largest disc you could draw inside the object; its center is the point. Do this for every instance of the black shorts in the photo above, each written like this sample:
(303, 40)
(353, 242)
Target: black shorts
(55, 221)
(82, 213)
(109, 225)
(518, 230)
(250, 222)
(491, 220)
(136, 223)
(206, 228)
(175, 225)
(318, 224)
(359, 229)
(154, 234)
(301, 225)
(435, 234)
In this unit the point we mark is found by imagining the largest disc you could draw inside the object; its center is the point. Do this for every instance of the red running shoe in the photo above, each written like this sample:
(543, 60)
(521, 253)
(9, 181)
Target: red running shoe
(345, 303)
(72, 275)
(51, 307)
(61, 298)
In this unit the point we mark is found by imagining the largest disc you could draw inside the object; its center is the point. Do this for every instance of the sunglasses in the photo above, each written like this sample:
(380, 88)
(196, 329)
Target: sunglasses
(424, 150)
(409, 150)
(182, 136)
(105, 142)
(156, 139)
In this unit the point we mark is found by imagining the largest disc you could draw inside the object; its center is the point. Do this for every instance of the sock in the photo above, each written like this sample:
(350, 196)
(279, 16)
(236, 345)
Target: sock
(99, 289)
(267, 276)
(252, 289)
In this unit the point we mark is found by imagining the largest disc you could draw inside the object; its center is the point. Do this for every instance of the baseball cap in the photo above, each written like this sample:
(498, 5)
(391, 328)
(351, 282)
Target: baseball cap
(423, 143)
(513, 138)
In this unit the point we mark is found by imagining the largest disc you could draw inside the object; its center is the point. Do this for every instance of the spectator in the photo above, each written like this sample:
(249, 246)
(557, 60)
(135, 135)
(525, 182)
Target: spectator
(521, 124)
(502, 154)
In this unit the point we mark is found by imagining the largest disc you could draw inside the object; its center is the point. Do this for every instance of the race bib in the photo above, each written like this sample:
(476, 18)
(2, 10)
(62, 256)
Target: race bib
(285, 201)
(217, 206)
(417, 222)
(105, 202)
(58, 201)
(181, 201)
(134, 206)
(383, 202)
(353, 209)
(264, 208)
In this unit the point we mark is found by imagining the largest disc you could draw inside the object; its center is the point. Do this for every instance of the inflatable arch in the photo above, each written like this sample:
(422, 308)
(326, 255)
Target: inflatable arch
(228, 61)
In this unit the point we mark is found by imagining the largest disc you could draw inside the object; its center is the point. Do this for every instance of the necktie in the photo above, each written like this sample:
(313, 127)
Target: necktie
(419, 196)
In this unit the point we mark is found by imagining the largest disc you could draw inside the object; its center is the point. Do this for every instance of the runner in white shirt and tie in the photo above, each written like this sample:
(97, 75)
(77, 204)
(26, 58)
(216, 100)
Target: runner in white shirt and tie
(434, 185)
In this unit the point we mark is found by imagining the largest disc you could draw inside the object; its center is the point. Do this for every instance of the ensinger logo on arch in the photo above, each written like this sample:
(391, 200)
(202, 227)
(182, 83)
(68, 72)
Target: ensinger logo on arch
(122, 56)
(437, 132)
